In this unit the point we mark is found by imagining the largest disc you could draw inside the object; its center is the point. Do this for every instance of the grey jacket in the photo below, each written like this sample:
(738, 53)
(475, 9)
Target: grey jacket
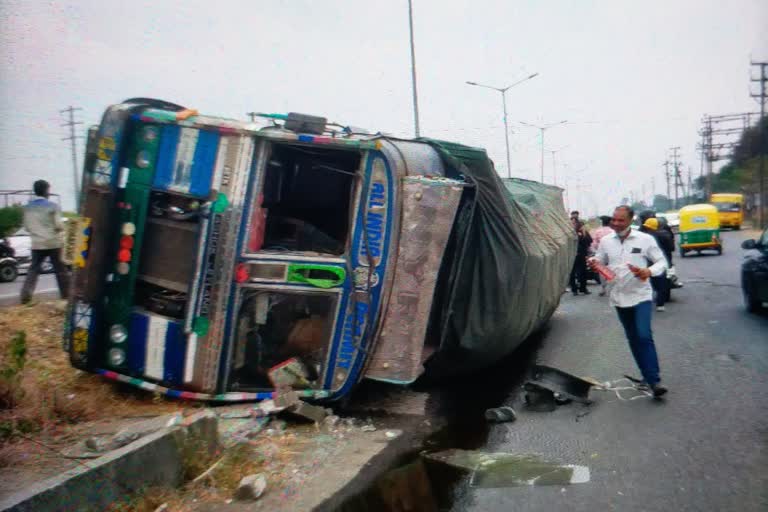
(42, 218)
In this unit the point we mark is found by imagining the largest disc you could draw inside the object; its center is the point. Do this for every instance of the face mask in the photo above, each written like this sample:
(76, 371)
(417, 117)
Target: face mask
(624, 233)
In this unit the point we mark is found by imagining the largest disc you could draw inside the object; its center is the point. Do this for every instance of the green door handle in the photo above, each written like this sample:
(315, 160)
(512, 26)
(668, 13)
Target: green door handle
(321, 276)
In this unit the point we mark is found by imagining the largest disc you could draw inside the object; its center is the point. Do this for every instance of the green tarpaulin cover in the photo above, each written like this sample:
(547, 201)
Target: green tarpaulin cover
(506, 264)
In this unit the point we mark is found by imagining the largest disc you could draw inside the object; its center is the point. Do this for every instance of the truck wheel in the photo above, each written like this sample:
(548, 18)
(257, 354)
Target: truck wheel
(737, 227)
(8, 273)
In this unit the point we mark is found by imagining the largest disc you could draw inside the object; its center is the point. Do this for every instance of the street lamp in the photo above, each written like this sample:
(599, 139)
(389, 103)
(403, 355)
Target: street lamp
(554, 163)
(413, 73)
(543, 129)
(503, 91)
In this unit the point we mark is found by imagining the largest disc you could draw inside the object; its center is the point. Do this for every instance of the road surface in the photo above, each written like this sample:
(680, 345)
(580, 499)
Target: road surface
(46, 289)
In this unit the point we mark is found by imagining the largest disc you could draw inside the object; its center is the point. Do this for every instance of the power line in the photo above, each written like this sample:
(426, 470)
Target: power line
(71, 123)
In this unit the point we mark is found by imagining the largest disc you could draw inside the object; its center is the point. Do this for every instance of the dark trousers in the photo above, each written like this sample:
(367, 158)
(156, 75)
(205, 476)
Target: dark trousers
(578, 277)
(661, 286)
(637, 326)
(62, 275)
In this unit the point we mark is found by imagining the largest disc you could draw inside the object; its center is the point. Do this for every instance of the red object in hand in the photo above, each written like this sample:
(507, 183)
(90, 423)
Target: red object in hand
(636, 270)
(605, 272)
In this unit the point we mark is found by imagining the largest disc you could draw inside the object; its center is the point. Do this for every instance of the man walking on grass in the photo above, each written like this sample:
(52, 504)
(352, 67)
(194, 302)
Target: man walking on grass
(627, 253)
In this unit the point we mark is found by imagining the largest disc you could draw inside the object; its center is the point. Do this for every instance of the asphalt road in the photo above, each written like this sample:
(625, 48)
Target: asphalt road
(705, 447)
(46, 289)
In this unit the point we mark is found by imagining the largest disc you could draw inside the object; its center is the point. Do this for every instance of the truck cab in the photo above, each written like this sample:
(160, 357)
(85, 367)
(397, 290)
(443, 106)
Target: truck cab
(730, 208)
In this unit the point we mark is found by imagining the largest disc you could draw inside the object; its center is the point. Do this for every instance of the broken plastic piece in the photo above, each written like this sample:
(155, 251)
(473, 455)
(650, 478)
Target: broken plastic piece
(289, 374)
(568, 385)
(539, 398)
(501, 414)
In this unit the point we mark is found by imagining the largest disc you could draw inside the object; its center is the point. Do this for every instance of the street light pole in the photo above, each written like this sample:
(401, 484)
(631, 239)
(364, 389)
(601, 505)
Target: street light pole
(503, 91)
(542, 154)
(542, 129)
(506, 132)
(554, 169)
(413, 72)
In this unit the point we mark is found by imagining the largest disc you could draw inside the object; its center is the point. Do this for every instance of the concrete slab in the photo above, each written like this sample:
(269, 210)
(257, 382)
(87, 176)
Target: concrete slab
(155, 459)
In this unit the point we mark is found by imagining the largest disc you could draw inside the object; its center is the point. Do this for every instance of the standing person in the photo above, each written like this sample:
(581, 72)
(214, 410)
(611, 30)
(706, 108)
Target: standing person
(42, 219)
(578, 279)
(660, 284)
(575, 216)
(598, 235)
(627, 252)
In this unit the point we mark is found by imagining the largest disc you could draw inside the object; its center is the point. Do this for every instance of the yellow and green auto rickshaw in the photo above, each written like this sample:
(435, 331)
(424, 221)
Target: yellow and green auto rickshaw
(699, 229)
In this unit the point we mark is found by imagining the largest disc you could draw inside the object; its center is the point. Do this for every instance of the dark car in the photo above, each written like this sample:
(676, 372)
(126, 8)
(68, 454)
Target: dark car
(754, 272)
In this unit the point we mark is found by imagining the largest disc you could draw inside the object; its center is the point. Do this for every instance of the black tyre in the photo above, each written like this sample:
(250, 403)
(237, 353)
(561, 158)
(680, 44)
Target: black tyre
(737, 228)
(682, 252)
(46, 267)
(8, 273)
(720, 250)
(753, 305)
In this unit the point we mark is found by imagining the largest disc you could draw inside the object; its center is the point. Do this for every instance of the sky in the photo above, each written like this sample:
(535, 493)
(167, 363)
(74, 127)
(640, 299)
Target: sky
(632, 79)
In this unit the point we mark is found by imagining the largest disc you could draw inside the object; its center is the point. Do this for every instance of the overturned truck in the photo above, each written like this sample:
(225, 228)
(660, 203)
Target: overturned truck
(221, 260)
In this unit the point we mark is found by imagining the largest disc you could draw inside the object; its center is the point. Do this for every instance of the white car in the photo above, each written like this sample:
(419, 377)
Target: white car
(673, 219)
(21, 243)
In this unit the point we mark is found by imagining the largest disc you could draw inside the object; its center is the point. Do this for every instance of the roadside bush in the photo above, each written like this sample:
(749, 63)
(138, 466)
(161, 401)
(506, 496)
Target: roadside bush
(11, 367)
(10, 220)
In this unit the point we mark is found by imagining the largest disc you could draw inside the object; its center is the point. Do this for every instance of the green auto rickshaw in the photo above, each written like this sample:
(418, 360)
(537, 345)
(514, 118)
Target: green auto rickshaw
(699, 229)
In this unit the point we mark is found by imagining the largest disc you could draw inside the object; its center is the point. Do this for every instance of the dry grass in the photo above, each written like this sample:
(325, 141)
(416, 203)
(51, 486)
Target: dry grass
(55, 396)
(150, 500)
(239, 462)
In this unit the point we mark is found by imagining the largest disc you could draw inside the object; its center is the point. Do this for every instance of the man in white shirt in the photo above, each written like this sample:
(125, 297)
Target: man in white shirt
(627, 253)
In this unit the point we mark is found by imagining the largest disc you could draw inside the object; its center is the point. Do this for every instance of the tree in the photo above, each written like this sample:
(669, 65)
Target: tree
(661, 203)
(10, 220)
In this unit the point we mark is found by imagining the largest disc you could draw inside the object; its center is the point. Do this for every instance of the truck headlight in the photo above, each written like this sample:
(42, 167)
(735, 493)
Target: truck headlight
(116, 356)
(118, 333)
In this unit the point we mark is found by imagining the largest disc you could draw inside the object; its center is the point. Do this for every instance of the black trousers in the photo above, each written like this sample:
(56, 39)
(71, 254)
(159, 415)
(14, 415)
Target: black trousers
(661, 286)
(578, 278)
(62, 275)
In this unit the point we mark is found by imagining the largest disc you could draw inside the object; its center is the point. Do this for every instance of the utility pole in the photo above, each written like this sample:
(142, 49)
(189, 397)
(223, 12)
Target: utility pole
(726, 128)
(413, 73)
(73, 139)
(676, 167)
(667, 176)
(761, 173)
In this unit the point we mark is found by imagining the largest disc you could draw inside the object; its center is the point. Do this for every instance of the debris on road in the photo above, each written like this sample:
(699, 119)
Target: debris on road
(539, 398)
(251, 487)
(307, 411)
(503, 414)
(567, 385)
(496, 470)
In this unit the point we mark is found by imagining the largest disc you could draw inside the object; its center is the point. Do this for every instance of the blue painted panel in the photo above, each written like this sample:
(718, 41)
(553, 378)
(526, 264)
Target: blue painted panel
(204, 161)
(175, 354)
(137, 343)
(166, 159)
